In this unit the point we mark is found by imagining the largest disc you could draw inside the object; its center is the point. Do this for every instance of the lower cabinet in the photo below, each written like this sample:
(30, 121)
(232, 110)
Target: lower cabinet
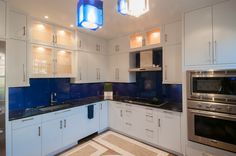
(103, 116)
(89, 126)
(52, 136)
(26, 141)
(155, 126)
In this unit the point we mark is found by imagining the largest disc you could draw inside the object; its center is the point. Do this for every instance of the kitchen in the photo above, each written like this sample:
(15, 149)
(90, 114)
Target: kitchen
(92, 77)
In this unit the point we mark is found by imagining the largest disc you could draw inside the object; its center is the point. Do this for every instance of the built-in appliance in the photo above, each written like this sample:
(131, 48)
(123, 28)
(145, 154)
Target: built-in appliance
(212, 108)
(2, 98)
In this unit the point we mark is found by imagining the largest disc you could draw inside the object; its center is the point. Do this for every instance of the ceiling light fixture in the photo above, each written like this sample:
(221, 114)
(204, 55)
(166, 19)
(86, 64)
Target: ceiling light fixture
(90, 14)
(133, 7)
(46, 17)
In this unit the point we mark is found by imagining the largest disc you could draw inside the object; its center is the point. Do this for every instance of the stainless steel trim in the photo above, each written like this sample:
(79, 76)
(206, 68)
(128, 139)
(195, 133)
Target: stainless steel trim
(207, 141)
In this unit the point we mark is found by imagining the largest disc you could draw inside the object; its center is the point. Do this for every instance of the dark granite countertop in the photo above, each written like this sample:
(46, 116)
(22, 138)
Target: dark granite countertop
(14, 115)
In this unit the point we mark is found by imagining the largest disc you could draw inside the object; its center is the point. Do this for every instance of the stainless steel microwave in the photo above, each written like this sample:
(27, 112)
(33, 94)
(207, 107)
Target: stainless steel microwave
(216, 86)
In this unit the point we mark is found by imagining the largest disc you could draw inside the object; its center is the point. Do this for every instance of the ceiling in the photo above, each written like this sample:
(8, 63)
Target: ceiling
(63, 12)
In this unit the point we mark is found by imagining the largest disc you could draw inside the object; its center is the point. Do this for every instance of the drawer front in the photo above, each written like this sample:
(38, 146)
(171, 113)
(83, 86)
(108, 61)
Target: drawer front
(57, 115)
(16, 124)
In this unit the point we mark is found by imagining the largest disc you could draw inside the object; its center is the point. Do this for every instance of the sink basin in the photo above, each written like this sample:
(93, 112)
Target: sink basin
(53, 108)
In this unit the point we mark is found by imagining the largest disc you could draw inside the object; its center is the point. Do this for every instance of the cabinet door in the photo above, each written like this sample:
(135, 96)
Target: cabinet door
(123, 74)
(26, 141)
(16, 63)
(42, 61)
(17, 26)
(116, 116)
(89, 126)
(172, 33)
(102, 65)
(51, 136)
(224, 27)
(198, 37)
(103, 115)
(169, 134)
(2, 19)
(41, 33)
(65, 38)
(93, 68)
(64, 63)
(112, 64)
(172, 64)
(71, 129)
(82, 67)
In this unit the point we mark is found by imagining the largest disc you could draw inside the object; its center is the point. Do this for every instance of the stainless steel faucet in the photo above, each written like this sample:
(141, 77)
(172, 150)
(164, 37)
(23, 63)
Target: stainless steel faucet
(53, 101)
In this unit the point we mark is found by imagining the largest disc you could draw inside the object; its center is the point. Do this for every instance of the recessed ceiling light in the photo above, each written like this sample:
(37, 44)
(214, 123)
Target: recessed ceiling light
(46, 17)
(72, 26)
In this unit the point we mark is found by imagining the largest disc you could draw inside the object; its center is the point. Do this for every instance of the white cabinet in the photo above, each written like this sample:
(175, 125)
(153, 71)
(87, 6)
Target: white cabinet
(118, 45)
(173, 33)
(198, 37)
(17, 26)
(103, 115)
(81, 67)
(16, 62)
(169, 130)
(119, 65)
(210, 35)
(89, 126)
(224, 32)
(51, 136)
(26, 137)
(116, 115)
(2, 19)
(172, 71)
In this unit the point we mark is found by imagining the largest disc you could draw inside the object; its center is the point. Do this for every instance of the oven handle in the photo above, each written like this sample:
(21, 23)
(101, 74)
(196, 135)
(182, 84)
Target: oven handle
(213, 114)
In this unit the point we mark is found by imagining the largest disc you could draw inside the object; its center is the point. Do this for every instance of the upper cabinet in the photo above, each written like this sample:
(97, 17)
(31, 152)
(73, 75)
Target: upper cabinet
(148, 39)
(91, 44)
(2, 19)
(210, 35)
(172, 33)
(50, 35)
(46, 61)
(41, 33)
(119, 45)
(17, 26)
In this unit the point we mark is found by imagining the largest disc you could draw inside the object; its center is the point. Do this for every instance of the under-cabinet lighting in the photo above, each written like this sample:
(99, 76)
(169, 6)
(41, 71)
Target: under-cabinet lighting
(156, 34)
(41, 49)
(62, 52)
(46, 17)
(62, 32)
(139, 38)
(40, 27)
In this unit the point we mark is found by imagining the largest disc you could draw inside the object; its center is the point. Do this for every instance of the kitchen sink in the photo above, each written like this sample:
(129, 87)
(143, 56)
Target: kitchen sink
(54, 108)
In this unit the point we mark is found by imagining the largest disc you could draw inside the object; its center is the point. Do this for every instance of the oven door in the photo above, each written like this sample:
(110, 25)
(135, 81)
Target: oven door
(213, 129)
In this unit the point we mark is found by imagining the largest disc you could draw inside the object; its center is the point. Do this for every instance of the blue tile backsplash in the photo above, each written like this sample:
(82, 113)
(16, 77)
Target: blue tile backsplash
(39, 92)
(148, 85)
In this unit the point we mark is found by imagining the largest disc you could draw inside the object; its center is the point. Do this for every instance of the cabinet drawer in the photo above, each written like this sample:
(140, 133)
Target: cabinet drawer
(57, 114)
(26, 122)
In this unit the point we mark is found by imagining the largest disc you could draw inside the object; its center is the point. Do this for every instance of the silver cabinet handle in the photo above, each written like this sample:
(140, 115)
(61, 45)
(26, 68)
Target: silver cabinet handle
(39, 131)
(24, 31)
(121, 113)
(60, 124)
(129, 124)
(165, 72)
(149, 130)
(167, 112)
(80, 76)
(80, 43)
(165, 37)
(1, 131)
(24, 73)
(64, 123)
(159, 122)
(55, 38)
(215, 52)
(210, 59)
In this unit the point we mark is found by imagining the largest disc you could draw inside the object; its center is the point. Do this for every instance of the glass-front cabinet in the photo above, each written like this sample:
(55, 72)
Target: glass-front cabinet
(145, 39)
(64, 38)
(63, 64)
(51, 35)
(50, 62)
(41, 33)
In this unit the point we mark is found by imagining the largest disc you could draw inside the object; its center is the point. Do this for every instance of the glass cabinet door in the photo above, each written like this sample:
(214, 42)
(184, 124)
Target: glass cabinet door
(42, 61)
(63, 66)
(153, 37)
(65, 38)
(136, 41)
(41, 33)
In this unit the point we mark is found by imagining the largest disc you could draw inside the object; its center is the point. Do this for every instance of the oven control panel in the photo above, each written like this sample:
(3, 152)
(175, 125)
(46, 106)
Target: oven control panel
(211, 106)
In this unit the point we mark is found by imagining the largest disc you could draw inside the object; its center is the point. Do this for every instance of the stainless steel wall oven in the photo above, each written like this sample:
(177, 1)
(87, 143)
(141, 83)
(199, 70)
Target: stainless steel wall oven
(212, 108)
